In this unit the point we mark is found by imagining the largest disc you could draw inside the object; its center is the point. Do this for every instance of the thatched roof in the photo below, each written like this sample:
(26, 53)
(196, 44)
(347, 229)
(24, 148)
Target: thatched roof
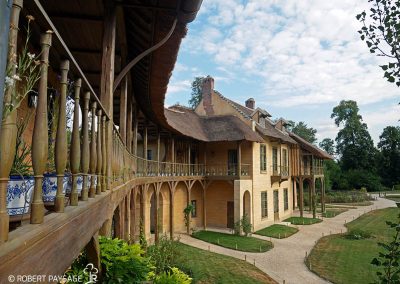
(209, 128)
(270, 131)
(310, 147)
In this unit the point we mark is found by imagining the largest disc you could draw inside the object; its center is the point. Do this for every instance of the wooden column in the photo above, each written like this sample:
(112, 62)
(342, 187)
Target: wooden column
(171, 212)
(239, 153)
(40, 134)
(173, 155)
(133, 215)
(145, 134)
(189, 197)
(323, 195)
(93, 251)
(135, 132)
(85, 146)
(75, 156)
(204, 210)
(104, 151)
(129, 124)
(157, 203)
(301, 205)
(8, 131)
(123, 109)
(99, 154)
(93, 153)
(106, 88)
(158, 151)
(61, 149)
(313, 199)
(128, 217)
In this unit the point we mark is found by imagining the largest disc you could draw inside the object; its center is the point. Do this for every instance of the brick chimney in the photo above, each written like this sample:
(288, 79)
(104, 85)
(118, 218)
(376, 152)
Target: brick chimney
(250, 103)
(206, 92)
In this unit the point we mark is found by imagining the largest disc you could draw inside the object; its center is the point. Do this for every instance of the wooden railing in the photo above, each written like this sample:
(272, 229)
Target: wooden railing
(312, 171)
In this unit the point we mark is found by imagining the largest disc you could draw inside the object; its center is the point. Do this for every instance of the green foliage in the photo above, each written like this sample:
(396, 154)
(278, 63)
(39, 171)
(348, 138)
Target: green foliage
(187, 212)
(243, 225)
(389, 260)
(22, 165)
(303, 220)
(27, 74)
(305, 132)
(277, 231)
(142, 236)
(195, 98)
(389, 158)
(123, 263)
(353, 142)
(381, 33)
(163, 254)
(357, 234)
(173, 276)
(353, 196)
(328, 145)
(358, 178)
(77, 268)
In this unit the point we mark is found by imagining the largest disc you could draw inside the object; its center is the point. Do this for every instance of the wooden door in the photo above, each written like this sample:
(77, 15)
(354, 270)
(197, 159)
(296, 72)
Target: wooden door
(276, 205)
(230, 215)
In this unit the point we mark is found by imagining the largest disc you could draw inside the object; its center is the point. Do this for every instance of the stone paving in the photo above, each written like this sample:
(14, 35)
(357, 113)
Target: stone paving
(285, 262)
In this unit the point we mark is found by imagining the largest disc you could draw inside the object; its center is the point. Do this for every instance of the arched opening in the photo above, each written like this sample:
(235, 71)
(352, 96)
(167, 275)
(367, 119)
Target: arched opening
(138, 215)
(116, 224)
(164, 209)
(196, 197)
(180, 203)
(246, 204)
(152, 208)
(307, 193)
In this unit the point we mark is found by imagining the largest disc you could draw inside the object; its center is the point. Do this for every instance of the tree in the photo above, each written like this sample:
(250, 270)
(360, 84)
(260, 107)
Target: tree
(353, 142)
(381, 32)
(389, 160)
(195, 96)
(328, 145)
(302, 130)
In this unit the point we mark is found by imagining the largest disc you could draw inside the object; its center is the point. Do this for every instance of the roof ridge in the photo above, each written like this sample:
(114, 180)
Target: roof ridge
(232, 103)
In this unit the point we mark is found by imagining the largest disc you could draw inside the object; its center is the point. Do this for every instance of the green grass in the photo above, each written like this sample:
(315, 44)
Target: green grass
(339, 206)
(303, 220)
(341, 260)
(277, 231)
(330, 212)
(395, 198)
(363, 203)
(208, 267)
(248, 244)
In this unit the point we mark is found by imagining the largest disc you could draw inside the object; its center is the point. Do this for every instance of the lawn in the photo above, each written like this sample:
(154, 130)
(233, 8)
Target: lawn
(303, 220)
(333, 212)
(248, 244)
(277, 231)
(393, 197)
(208, 267)
(363, 203)
(341, 260)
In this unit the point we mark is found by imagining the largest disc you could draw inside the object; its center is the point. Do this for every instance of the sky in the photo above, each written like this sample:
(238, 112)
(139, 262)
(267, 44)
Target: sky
(297, 59)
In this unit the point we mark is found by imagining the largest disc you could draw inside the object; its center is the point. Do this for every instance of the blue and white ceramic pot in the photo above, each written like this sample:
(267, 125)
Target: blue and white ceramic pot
(90, 178)
(19, 195)
(50, 186)
(79, 184)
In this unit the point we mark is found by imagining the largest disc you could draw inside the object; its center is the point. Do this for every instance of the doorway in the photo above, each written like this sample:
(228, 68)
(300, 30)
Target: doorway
(232, 162)
(230, 215)
(276, 205)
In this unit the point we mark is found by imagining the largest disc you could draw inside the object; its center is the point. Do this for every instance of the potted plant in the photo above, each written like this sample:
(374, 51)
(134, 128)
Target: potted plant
(20, 185)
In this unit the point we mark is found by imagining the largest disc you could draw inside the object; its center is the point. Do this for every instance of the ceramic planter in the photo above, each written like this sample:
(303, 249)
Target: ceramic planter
(19, 195)
(50, 186)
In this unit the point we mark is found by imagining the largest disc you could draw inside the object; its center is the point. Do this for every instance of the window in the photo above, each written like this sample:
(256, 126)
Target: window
(286, 198)
(194, 211)
(263, 157)
(285, 170)
(149, 155)
(275, 159)
(264, 204)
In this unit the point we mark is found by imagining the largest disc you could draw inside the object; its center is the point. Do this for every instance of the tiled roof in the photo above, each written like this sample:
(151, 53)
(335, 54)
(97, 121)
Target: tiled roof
(311, 147)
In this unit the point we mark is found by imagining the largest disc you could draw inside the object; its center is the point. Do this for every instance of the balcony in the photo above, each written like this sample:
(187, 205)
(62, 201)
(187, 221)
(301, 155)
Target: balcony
(279, 173)
(309, 171)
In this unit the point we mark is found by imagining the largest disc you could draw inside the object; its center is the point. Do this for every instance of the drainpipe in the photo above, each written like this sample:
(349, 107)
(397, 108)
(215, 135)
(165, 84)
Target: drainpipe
(5, 11)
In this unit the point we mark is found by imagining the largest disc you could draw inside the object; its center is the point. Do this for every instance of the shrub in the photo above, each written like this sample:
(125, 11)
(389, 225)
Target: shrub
(187, 212)
(142, 236)
(243, 225)
(357, 234)
(396, 187)
(123, 263)
(173, 276)
(163, 254)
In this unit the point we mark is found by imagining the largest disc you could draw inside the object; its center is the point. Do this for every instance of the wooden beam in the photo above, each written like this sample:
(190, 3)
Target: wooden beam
(123, 109)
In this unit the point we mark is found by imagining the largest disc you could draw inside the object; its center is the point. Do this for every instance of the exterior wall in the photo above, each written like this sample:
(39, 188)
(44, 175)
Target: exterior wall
(217, 196)
(262, 182)
(164, 209)
(217, 152)
(197, 194)
(180, 203)
(152, 145)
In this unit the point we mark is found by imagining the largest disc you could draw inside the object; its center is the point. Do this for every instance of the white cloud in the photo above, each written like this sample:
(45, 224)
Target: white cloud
(178, 86)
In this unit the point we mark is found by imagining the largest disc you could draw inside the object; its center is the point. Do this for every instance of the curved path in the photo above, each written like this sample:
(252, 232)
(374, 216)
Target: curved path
(285, 262)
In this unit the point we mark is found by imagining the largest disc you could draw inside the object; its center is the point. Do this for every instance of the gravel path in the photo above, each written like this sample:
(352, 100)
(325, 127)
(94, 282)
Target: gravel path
(285, 262)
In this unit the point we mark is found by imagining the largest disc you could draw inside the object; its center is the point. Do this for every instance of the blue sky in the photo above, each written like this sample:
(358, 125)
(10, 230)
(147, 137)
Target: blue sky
(297, 59)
